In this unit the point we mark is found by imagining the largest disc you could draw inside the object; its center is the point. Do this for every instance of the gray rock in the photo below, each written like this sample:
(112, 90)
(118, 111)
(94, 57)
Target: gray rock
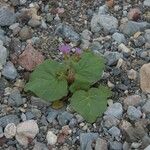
(110, 121)
(3, 85)
(1, 132)
(86, 35)
(40, 146)
(147, 148)
(146, 3)
(115, 145)
(103, 9)
(114, 131)
(9, 71)
(49, 17)
(14, 2)
(115, 110)
(52, 115)
(29, 115)
(7, 16)
(147, 35)
(9, 119)
(112, 57)
(64, 118)
(96, 47)
(133, 113)
(146, 107)
(3, 55)
(102, 21)
(34, 23)
(86, 140)
(101, 144)
(140, 41)
(119, 38)
(68, 33)
(25, 33)
(15, 98)
(131, 27)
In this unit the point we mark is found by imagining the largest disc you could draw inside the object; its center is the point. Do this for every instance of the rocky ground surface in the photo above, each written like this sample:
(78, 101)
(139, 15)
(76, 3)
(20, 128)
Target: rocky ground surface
(31, 31)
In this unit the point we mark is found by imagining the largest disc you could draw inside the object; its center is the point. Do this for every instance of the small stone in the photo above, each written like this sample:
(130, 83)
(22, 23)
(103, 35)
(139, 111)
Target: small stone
(49, 17)
(7, 16)
(15, 98)
(115, 110)
(131, 27)
(110, 121)
(147, 35)
(146, 3)
(112, 57)
(115, 145)
(124, 49)
(119, 38)
(114, 131)
(14, 2)
(145, 78)
(1, 132)
(30, 58)
(34, 22)
(133, 113)
(64, 118)
(86, 140)
(101, 144)
(68, 34)
(132, 74)
(9, 119)
(96, 47)
(52, 115)
(133, 100)
(10, 130)
(51, 138)
(9, 71)
(25, 33)
(146, 107)
(135, 145)
(25, 130)
(139, 41)
(40, 146)
(147, 148)
(3, 55)
(134, 14)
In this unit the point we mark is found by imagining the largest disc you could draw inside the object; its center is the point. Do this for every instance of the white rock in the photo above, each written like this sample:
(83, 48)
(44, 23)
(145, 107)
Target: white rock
(132, 74)
(51, 138)
(10, 130)
(25, 130)
(147, 148)
(123, 48)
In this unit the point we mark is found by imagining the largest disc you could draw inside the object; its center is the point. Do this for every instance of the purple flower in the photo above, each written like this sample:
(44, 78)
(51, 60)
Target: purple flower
(65, 48)
(78, 50)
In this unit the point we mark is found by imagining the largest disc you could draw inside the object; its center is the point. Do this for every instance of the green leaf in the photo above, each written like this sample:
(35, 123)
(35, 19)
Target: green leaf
(48, 81)
(90, 104)
(88, 71)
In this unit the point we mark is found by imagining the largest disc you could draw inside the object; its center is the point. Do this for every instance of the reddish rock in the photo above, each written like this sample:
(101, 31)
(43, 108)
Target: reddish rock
(30, 58)
(110, 3)
(134, 14)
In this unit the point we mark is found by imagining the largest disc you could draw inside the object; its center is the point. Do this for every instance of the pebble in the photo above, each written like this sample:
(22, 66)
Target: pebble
(40, 146)
(124, 49)
(49, 17)
(115, 145)
(145, 78)
(134, 14)
(146, 107)
(96, 47)
(115, 110)
(110, 121)
(112, 57)
(101, 144)
(131, 27)
(7, 16)
(146, 3)
(68, 33)
(9, 119)
(133, 113)
(64, 118)
(106, 22)
(34, 22)
(86, 140)
(51, 138)
(1, 132)
(10, 130)
(119, 38)
(132, 100)
(114, 131)
(15, 98)
(147, 35)
(147, 148)
(9, 71)
(139, 41)
(132, 74)
(52, 115)
(25, 130)
(3, 55)
(25, 33)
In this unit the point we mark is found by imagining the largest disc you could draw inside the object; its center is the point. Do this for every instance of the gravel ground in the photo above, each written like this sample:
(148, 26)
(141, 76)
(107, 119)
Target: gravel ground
(31, 31)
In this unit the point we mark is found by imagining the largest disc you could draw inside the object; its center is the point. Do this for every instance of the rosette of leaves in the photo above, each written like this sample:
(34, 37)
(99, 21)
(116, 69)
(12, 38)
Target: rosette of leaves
(52, 81)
